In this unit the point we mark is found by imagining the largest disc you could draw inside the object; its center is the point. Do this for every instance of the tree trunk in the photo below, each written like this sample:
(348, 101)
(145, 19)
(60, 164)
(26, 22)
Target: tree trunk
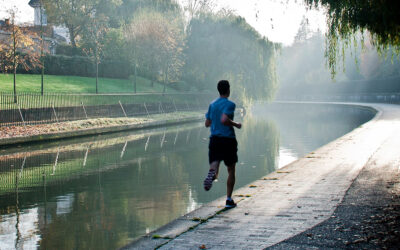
(134, 79)
(97, 71)
(165, 82)
(72, 36)
(14, 63)
(165, 79)
(97, 77)
(41, 47)
(15, 85)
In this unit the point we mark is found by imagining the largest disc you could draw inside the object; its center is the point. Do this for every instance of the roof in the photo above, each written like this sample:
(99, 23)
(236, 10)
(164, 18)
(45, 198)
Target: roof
(35, 3)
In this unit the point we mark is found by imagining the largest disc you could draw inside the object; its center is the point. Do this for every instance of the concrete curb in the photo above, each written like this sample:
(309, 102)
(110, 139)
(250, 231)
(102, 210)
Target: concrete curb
(93, 131)
(189, 222)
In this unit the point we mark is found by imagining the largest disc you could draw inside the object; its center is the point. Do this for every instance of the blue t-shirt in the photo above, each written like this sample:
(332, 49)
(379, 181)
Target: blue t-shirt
(215, 110)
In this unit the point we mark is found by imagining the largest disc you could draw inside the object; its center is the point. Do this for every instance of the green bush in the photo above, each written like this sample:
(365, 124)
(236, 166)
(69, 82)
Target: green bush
(79, 66)
(181, 86)
(69, 50)
(83, 66)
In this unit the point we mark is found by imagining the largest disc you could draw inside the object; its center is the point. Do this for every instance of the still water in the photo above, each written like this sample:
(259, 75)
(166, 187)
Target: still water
(103, 192)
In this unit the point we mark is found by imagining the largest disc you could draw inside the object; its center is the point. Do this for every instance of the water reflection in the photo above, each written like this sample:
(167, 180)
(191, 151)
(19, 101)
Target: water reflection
(303, 128)
(102, 192)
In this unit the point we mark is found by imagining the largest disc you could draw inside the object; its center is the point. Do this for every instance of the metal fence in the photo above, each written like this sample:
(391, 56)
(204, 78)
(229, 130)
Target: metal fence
(34, 108)
(367, 97)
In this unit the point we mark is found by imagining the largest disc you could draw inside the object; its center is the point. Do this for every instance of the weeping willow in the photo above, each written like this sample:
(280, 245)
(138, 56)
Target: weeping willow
(347, 18)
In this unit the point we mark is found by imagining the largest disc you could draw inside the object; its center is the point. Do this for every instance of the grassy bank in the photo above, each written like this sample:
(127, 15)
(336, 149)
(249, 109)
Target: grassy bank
(77, 84)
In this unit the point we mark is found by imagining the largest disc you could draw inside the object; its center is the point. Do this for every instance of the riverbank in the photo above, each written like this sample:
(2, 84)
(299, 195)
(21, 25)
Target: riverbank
(44, 132)
(303, 194)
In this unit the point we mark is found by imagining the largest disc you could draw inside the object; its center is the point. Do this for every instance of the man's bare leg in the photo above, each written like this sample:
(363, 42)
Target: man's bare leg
(212, 175)
(215, 166)
(230, 183)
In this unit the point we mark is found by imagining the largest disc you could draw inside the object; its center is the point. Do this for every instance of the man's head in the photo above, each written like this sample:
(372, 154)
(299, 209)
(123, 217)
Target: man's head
(223, 88)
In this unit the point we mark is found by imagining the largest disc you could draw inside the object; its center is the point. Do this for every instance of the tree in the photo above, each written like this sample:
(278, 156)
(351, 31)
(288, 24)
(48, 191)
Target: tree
(195, 7)
(156, 41)
(346, 18)
(96, 30)
(74, 14)
(123, 11)
(226, 47)
(304, 31)
(19, 49)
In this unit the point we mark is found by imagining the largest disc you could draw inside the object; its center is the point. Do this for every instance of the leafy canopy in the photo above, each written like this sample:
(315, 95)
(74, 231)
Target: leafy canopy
(347, 17)
(227, 47)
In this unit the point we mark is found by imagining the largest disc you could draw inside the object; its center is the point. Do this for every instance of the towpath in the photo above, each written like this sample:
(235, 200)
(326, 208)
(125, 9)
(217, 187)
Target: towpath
(328, 199)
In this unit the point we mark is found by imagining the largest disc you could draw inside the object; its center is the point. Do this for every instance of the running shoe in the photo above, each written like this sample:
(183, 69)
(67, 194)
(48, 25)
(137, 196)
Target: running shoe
(230, 204)
(209, 179)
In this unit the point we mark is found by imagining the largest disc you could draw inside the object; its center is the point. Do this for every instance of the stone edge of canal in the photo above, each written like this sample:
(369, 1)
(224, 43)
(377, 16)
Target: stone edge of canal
(94, 131)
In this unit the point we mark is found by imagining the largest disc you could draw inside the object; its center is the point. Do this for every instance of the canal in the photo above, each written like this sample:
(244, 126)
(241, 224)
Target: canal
(103, 192)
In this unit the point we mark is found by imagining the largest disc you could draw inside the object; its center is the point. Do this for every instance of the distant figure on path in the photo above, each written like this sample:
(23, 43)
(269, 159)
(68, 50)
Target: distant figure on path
(223, 144)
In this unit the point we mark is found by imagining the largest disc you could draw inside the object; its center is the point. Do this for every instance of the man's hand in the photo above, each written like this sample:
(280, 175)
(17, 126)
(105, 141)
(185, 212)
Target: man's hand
(228, 122)
(207, 123)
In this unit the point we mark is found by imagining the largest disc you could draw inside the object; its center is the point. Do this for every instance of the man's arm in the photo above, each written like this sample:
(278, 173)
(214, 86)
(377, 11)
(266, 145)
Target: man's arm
(228, 122)
(207, 123)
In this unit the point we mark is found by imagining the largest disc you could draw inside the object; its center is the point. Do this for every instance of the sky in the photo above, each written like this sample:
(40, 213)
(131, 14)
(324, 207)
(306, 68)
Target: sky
(278, 20)
(24, 11)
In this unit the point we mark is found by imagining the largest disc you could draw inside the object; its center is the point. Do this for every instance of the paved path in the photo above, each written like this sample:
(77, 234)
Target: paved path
(369, 215)
(291, 200)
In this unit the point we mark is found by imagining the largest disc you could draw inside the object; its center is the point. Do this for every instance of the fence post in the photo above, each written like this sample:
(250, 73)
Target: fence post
(55, 114)
(84, 110)
(176, 110)
(148, 115)
(122, 109)
(20, 113)
(198, 105)
(187, 105)
(159, 108)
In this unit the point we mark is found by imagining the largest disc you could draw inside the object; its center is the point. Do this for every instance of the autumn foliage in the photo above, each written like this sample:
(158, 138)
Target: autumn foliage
(20, 48)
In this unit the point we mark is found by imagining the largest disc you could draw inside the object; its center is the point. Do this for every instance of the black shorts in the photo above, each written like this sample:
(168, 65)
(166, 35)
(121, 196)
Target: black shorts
(223, 149)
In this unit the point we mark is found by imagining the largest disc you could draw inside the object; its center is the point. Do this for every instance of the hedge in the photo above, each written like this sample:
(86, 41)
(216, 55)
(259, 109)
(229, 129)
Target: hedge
(80, 66)
(83, 66)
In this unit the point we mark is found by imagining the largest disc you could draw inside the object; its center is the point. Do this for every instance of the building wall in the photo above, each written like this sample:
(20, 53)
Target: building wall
(37, 17)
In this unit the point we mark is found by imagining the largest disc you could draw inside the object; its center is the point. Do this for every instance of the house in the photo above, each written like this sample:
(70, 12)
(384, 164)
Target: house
(52, 36)
(40, 20)
(40, 17)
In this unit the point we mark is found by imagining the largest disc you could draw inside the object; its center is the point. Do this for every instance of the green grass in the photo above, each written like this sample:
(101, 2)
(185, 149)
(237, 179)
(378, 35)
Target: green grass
(71, 91)
(77, 84)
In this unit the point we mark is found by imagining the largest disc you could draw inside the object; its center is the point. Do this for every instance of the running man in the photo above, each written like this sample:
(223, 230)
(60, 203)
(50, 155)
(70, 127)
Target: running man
(223, 144)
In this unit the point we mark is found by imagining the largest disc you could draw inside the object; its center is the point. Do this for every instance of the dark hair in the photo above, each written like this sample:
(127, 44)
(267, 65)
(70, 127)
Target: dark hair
(223, 87)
